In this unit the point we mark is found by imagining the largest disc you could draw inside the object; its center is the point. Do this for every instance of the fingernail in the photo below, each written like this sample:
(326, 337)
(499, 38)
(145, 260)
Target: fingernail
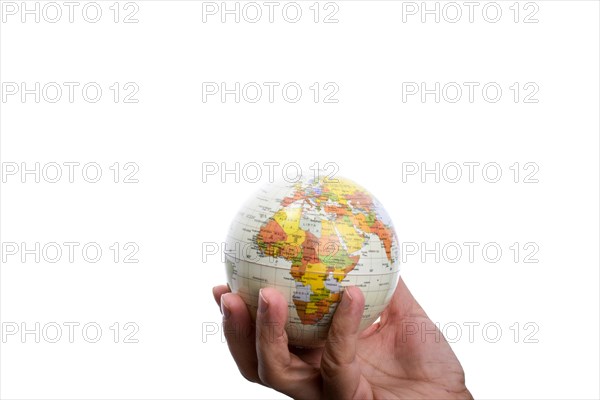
(346, 298)
(225, 310)
(263, 304)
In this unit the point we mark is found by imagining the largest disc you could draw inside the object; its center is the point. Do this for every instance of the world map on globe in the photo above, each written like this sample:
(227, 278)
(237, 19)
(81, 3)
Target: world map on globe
(309, 239)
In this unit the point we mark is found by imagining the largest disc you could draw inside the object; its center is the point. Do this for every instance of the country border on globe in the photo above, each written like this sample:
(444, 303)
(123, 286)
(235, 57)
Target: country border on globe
(309, 239)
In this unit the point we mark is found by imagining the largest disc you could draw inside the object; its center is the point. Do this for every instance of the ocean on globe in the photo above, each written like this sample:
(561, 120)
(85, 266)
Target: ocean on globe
(309, 239)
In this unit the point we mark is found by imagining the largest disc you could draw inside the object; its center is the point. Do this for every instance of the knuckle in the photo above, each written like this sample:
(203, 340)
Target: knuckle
(251, 376)
(272, 335)
(336, 333)
(267, 376)
(334, 360)
(339, 352)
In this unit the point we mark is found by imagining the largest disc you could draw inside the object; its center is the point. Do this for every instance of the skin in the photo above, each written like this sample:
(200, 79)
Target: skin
(404, 356)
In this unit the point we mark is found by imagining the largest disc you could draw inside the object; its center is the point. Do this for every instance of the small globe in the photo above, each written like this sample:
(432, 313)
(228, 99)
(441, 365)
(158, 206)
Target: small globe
(309, 239)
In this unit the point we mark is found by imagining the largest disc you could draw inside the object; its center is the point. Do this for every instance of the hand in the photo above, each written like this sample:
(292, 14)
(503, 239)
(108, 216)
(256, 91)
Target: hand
(403, 356)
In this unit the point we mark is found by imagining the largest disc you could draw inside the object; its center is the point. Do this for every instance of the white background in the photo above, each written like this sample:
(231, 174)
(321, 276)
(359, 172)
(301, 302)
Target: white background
(369, 133)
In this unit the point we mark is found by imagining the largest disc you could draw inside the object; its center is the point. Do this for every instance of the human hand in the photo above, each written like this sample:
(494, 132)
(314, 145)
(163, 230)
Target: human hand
(403, 356)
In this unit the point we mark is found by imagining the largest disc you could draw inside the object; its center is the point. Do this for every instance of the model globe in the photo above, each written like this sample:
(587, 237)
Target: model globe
(309, 239)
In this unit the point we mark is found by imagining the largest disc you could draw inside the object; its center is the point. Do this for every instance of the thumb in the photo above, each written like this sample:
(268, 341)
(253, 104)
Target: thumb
(340, 369)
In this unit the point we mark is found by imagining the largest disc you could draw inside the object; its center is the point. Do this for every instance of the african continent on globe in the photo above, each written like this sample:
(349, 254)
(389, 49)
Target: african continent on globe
(309, 239)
